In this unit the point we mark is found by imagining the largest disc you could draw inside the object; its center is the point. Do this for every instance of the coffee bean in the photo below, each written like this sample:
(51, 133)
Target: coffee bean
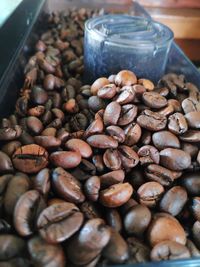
(165, 139)
(111, 178)
(30, 158)
(191, 182)
(164, 228)
(149, 193)
(112, 159)
(129, 157)
(89, 242)
(116, 195)
(26, 212)
(148, 154)
(125, 77)
(116, 250)
(174, 200)
(147, 84)
(137, 220)
(5, 163)
(44, 254)
(47, 142)
(190, 149)
(126, 95)
(193, 119)
(41, 181)
(190, 105)
(154, 100)
(67, 186)
(113, 219)
(128, 114)
(195, 207)
(152, 121)
(10, 147)
(161, 175)
(177, 123)
(175, 159)
(65, 159)
(112, 113)
(192, 136)
(38, 95)
(95, 127)
(58, 222)
(102, 141)
(133, 133)
(196, 232)
(99, 83)
(11, 246)
(138, 251)
(80, 146)
(10, 133)
(96, 103)
(117, 133)
(169, 250)
(92, 187)
(107, 91)
(98, 162)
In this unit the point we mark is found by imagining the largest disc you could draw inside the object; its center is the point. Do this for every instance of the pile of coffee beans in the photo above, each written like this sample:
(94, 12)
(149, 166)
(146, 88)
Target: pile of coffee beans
(102, 174)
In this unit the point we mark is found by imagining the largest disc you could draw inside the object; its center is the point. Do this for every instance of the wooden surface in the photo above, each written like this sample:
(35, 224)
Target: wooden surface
(171, 3)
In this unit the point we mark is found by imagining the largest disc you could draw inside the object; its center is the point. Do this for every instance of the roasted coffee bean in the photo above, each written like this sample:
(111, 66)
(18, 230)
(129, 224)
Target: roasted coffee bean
(47, 142)
(125, 77)
(26, 212)
(165, 227)
(191, 182)
(189, 105)
(102, 141)
(195, 207)
(16, 187)
(41, 181)
(96, 127)
(116, 132)
(147, 84)
(111, 178)
(30, 158)
(44, 254)
(154, 100)
(38, 95)
(112, 113)
(112, 159)
(196, 232)
(146, 137)
(193, 119)
(161, 175)
(80, 146)
(129, 157)
(152, 121)
(133, 133)
(128, 114)
(113, 219)
(89, 242)
(165, 139)
(8, 134)
(148, 154)
(65, 159)
(98, 162)
(58, 222)
(116, 250)
(11, 246)
(192, 136)
(5, 163)
(177, 123)
(67, 186)
(107, 92)
(149, 193)
(190, 149)
(175, 159)
(99, 83)
(116, 195)
(79, 122)
(92, 187)
(174, 200)
(96, 103)
(126, 95)
(138, 252)
(11, 147)
(169, 250)
(137, 220)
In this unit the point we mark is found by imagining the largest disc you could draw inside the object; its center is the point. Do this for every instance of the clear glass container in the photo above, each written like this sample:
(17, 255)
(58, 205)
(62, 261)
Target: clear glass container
(115, 42)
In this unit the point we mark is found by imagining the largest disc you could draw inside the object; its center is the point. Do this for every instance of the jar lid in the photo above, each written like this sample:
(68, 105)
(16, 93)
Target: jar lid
(129, 31)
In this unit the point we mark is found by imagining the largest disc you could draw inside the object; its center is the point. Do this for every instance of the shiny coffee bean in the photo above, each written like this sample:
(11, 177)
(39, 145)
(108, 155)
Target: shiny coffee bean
(133, 133)
(9, 134)
(165, 139)
(195, 207)
(112, 113)
(128, 114)
(149, 193)
(174, 200)
(192, 136)
(148, 154)
(125, 77)
(96, 103)
(98, 162)
(147, 84)
(116, 250)
(154, 100)
(112, 159)
(177, 123)
(138, 251)
(161, 175)
(30, 158)
(65, 159)
(126, 95)
(47, 142)
(175, 159)
(137, 220)
(169, 250)
(99, 83)
(102, 141)
(58, 222)
(38, 95)
(92, 188)
(152, 121)
(11, 147)
(129, 157)
(26, 212)
(44, 254)
(113, 219)
(165, 227)
(191, 182)
(117, 133)
(5, 163)
(107, 91)
(67, 186)
(34, 125)
(96, 127)
(116, 195)
(189, 105)
(111, 178)
(193, 119)
(80, 146)
(196, 233)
